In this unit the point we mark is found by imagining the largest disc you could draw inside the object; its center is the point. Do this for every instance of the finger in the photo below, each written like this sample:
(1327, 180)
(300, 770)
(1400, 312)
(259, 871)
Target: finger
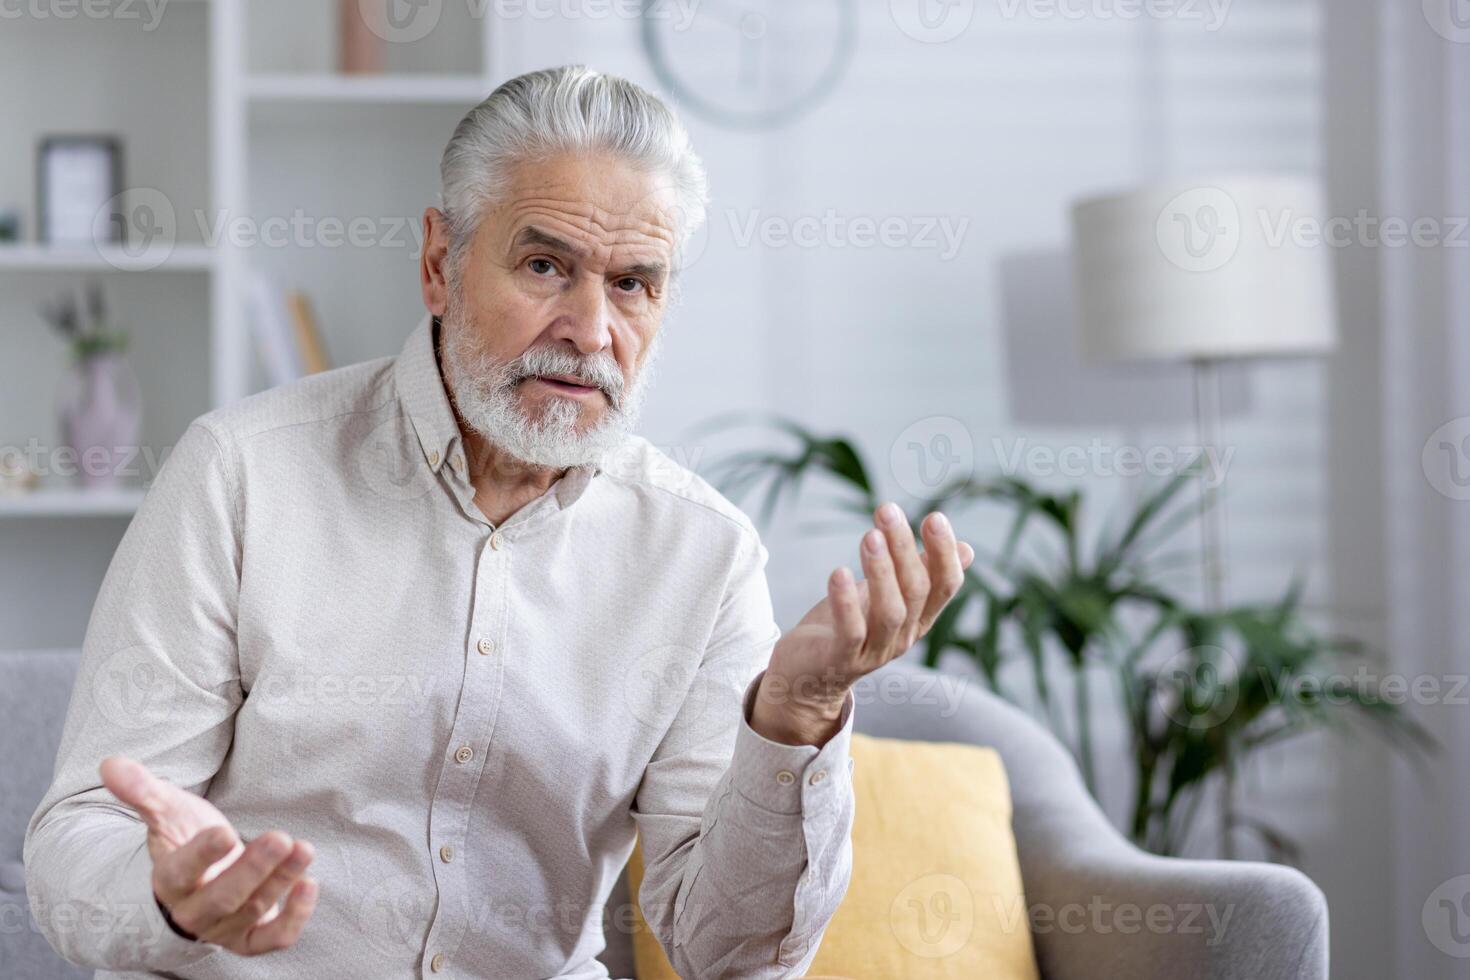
(967, 554)
(886, 609)
(261, 906)
(284, 929)
(847, 610)
(201, 912)
(913, 577)
(942, 556)
(177, 874)
(132, 783)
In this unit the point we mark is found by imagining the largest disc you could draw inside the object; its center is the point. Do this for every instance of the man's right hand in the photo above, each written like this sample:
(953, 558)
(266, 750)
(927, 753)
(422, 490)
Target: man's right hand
(213, 886)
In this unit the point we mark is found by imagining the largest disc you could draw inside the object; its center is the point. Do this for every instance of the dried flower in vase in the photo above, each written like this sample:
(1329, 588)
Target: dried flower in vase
(80, 316)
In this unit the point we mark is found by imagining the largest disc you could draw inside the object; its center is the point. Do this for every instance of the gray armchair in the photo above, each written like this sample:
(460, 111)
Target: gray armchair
(1270, 922)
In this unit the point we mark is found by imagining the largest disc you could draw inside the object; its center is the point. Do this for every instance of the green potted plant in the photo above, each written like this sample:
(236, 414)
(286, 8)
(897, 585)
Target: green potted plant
(1199, 691)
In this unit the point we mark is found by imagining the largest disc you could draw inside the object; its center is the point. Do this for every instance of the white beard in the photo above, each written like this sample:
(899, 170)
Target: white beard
(484, 389)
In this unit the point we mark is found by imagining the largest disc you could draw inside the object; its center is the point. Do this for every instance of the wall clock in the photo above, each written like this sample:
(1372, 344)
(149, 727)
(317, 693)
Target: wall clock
(752, 64)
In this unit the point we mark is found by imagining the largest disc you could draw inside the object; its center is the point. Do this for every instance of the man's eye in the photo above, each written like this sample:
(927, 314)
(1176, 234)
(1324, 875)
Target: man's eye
(630, 284)
(542, 267)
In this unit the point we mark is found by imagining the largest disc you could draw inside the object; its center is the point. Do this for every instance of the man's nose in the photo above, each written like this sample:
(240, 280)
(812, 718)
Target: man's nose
(584, 318)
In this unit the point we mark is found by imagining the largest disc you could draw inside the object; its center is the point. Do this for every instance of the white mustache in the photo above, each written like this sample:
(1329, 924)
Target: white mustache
(594, 370)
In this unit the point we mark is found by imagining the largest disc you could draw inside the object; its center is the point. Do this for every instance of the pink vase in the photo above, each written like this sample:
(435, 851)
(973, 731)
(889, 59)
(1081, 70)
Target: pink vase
(101, 417)
(363, 28)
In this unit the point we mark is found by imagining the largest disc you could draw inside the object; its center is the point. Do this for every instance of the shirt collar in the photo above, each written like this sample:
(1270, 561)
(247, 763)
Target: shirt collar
(425, 400)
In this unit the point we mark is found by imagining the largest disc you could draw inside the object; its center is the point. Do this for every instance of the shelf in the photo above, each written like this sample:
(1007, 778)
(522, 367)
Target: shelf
(73, 502)
(87, 258)
(370, 89)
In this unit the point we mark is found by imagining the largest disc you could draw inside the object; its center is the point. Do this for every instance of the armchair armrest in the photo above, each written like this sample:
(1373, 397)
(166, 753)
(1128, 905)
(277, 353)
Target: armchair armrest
(1099, 906)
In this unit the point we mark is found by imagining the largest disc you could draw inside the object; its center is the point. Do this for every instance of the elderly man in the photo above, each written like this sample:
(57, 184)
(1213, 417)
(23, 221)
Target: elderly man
(442, 630)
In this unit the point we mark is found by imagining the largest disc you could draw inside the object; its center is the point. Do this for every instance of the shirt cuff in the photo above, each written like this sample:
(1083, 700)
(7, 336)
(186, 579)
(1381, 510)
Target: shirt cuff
(158, 945)
(790, 779)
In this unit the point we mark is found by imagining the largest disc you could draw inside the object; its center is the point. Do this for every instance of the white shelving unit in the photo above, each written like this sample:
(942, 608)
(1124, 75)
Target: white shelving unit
(93, 259)
(72, 502)
(253, 116)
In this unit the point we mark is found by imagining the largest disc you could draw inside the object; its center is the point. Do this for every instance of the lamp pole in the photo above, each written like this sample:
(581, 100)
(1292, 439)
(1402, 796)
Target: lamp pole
(1206, 371)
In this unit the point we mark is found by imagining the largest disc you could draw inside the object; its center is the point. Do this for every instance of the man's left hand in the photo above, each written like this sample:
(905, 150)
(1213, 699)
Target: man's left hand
(860, 626)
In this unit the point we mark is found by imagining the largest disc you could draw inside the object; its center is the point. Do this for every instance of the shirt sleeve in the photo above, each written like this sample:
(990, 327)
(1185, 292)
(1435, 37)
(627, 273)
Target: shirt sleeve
(159, 682)
(746, 842)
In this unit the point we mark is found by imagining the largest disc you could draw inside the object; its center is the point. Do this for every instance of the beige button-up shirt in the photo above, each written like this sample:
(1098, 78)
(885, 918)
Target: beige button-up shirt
(310, 623)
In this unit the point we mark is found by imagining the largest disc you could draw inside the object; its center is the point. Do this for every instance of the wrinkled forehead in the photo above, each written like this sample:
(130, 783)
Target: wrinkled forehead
(599, 202)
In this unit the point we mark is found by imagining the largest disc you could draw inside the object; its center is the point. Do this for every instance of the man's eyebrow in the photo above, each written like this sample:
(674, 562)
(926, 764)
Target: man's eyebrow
(652, 270)
(531, 235)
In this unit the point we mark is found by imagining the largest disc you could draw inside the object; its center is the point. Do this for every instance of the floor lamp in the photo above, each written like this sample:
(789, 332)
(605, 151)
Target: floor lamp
(1202, 273)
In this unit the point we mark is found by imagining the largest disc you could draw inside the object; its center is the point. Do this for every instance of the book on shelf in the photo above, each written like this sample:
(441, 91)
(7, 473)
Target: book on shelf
(285, 329)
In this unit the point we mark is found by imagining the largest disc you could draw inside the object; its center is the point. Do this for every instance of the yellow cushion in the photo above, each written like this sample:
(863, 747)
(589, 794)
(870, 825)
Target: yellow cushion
(936, 885)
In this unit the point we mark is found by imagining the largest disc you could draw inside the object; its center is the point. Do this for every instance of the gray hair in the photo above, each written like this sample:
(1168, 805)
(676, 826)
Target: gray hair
(559, 110)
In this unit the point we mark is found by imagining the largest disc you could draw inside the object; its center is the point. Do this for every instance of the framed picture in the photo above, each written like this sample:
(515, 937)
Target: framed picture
(76, 177)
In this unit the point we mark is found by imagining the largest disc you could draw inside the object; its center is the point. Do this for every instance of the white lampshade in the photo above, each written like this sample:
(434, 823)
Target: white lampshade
(1236, 267)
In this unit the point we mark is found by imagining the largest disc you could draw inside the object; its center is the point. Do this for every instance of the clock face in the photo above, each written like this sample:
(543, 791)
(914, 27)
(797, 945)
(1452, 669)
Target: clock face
(749, 63)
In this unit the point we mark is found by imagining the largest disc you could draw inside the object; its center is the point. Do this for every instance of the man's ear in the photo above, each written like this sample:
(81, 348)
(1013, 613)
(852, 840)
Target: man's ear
(433, 277)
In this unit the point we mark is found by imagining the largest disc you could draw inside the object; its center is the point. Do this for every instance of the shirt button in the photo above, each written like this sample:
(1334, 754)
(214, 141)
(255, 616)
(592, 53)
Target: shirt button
(785, 777)
(464, 754)
(434, 458)
(446, 854)
(496, 540)
(818, 776)
(485, 646)
(458, 462)
(437, 963)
